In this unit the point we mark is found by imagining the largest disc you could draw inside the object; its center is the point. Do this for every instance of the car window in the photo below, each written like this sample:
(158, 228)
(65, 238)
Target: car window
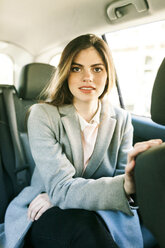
(55, 59)
(6, 69)
(137, 54)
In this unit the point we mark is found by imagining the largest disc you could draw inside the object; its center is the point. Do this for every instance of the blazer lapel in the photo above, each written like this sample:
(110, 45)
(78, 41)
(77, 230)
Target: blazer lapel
(105, 133)
(72, 127)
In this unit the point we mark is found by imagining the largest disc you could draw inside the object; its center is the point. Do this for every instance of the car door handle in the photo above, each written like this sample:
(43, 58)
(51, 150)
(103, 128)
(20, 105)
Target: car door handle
(113, 9)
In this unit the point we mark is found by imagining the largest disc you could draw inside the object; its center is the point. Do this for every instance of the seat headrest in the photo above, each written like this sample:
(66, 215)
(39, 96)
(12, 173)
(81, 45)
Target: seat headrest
(158, 96)
(33, 78)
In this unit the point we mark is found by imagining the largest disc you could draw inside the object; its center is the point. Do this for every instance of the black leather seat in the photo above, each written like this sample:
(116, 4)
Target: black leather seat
(150, 169)
(34, 77)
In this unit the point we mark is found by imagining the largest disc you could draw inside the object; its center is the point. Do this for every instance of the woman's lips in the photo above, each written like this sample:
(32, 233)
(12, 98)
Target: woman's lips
(86, 89)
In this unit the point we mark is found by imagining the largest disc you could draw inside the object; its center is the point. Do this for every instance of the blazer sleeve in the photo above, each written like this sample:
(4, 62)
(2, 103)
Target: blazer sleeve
(57, 172)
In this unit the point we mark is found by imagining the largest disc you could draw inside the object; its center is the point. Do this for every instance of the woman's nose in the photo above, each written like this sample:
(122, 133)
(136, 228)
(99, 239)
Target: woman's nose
(87, 76)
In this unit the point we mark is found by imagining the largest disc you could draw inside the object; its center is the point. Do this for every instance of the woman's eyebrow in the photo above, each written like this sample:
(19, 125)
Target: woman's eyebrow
(74, 63)
(98, 64)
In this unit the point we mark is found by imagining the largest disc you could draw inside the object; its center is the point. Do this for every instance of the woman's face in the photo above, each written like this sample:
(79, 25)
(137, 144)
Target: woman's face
(88, 76)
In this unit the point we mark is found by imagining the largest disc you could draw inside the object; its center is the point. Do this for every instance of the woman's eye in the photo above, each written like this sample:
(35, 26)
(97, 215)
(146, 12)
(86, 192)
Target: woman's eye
(75, 69)
(97, 69)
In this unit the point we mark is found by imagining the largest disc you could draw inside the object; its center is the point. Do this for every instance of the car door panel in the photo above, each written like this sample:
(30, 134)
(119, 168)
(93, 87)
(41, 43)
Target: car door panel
(145, 129)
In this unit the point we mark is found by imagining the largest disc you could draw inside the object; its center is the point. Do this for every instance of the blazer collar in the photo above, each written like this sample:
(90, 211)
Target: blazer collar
(103, 140)
(71, 124)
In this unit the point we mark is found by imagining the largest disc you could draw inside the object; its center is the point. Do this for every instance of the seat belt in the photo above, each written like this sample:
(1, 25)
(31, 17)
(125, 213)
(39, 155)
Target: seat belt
(21, 166)
(116, 82)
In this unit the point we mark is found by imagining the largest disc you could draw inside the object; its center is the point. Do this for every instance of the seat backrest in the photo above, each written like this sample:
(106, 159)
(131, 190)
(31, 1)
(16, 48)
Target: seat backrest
(158, 96)
(34, 77)
(150, 168)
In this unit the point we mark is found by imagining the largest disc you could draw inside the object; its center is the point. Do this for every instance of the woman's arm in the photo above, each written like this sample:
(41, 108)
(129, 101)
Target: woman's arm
(57, 172)
(129, 184)
(127, 154)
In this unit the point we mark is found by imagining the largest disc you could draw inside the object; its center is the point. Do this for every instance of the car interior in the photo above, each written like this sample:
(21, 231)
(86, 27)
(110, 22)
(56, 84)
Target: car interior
(33, 35)
(153, 158)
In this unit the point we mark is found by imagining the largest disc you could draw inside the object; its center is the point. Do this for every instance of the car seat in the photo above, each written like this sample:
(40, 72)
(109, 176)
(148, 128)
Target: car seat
(16, 162)
(150, 169)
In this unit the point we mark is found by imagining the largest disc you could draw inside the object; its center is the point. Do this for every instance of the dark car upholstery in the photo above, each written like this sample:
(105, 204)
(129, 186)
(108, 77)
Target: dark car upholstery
(150, 169)
(16, 162)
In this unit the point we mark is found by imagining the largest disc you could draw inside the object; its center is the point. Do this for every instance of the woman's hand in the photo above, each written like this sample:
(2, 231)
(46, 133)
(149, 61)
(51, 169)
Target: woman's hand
(38, 206)
(129, 184)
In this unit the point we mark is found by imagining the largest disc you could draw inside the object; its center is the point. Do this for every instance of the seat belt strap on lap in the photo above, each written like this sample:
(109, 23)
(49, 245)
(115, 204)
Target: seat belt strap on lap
(20, 161)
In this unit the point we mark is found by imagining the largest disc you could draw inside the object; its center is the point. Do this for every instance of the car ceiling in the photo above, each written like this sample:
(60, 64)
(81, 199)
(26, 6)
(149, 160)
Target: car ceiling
(41, 25)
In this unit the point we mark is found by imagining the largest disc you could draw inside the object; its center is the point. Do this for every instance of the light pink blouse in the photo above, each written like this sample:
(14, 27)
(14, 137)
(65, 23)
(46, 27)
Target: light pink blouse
(89, 132)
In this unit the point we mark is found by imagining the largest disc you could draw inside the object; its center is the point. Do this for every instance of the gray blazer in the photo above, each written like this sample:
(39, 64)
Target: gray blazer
(55, 141)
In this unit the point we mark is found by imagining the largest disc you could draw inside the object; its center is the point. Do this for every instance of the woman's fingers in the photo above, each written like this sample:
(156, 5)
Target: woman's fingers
(151, 142)
(141, 147)
(38, 206)
(33, 211)
(34, 207)
(41, 211)
(130, 167)
(129, 184)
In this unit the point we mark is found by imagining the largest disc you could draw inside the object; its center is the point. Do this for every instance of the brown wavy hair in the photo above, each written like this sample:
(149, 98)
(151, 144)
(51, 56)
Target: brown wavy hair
(58, 93)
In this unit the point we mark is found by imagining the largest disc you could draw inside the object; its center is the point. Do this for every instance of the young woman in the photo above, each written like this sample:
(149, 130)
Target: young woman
(82, 147)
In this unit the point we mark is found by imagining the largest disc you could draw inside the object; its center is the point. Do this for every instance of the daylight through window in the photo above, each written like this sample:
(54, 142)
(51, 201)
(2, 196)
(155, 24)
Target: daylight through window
(6, 69)
(138, 53)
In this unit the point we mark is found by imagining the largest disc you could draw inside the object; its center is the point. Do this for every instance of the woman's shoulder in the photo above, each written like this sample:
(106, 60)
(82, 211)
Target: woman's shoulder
(118, 112)
(122, 116)
(43, 111)
(43, 115)
(43, 107)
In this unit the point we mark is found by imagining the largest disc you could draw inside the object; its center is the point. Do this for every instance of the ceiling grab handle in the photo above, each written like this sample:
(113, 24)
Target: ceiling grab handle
(113, 12)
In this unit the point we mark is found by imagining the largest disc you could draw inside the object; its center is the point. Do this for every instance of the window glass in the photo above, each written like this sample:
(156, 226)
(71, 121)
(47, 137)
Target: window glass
(6, 69)
(55, 60)
(138, 53)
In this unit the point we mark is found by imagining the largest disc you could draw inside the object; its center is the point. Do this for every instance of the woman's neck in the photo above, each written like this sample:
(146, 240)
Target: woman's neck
(87, 109)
